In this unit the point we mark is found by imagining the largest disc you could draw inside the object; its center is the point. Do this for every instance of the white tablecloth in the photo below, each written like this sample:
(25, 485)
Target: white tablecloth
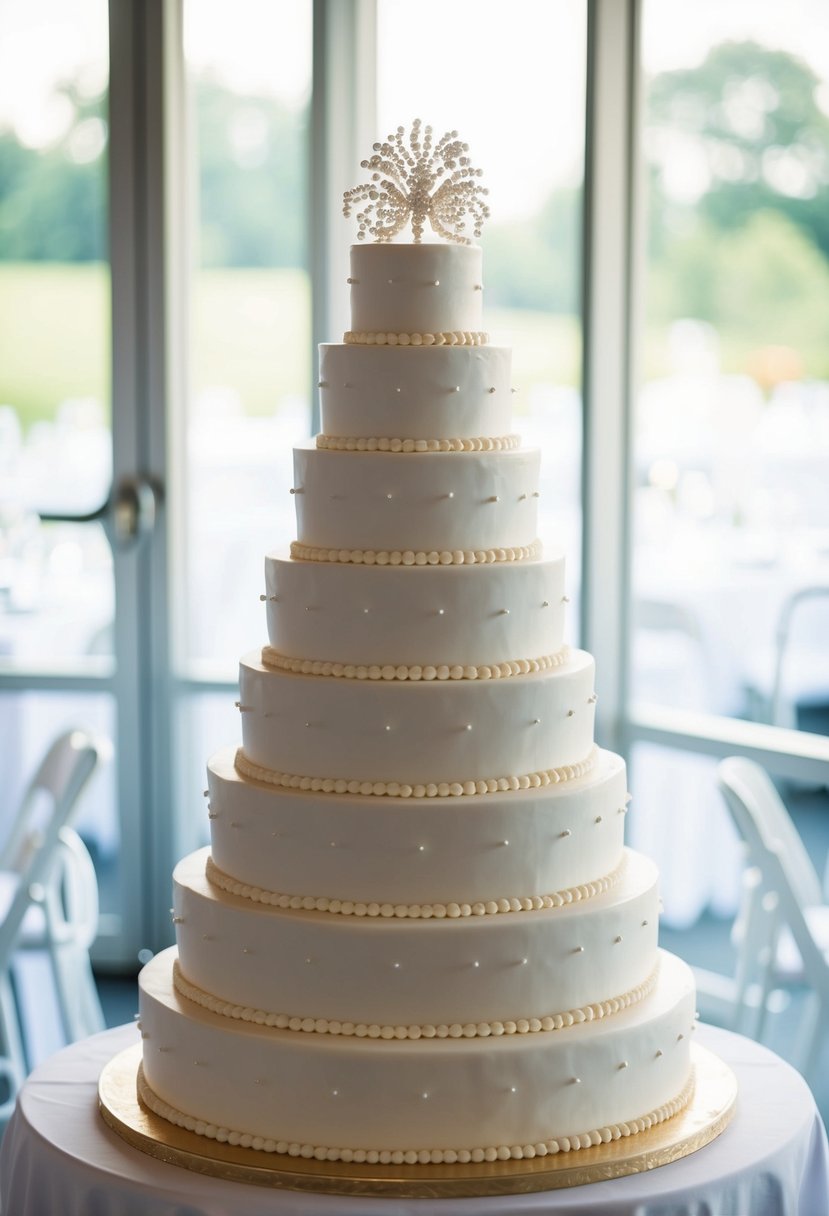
(59, 1159)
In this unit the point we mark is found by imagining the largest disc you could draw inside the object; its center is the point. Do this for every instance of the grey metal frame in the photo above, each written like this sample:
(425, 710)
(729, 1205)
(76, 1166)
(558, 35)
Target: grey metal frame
(607, 296)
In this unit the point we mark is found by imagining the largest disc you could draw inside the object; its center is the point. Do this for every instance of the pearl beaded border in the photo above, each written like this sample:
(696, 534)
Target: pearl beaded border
(452, 911)
(361, 1030)
(400, 789)
(424, 1156)
(411, 557)
(454, 337)
(348, 443)
(404, 671)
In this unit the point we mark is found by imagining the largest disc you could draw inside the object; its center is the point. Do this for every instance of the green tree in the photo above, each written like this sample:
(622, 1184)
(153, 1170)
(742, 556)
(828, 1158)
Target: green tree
(751, 119)
(53, 199)
(252, 187)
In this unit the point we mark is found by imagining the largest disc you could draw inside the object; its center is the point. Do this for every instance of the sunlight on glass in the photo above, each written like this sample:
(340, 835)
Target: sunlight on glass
(731, 443)
(56, 590)
(249, 312)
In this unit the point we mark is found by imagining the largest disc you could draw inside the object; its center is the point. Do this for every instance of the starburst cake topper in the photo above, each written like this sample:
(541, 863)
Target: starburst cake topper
(422, 181)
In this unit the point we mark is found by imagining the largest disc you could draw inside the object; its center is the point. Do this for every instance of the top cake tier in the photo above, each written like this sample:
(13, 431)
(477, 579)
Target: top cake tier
(416, 289)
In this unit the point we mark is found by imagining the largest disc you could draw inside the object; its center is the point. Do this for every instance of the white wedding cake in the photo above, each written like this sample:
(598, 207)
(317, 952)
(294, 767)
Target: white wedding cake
(417, 935)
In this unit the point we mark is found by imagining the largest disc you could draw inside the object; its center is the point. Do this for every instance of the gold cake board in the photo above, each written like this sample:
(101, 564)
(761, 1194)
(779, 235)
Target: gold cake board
(708, 1113)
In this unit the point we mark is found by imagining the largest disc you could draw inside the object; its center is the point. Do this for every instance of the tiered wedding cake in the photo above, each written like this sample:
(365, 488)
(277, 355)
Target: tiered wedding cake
(417, 935)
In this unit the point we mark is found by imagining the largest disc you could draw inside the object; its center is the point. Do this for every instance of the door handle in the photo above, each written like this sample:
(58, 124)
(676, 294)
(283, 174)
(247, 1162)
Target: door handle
(128, 514)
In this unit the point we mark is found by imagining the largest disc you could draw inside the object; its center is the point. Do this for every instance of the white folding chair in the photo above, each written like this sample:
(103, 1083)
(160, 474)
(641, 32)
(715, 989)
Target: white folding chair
(48, 894)
(801, 661)
(785, 931)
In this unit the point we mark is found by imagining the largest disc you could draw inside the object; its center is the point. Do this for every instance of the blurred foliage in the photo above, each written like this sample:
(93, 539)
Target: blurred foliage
(738, 160)
(750, 119)
(252, 186)
(53, 199)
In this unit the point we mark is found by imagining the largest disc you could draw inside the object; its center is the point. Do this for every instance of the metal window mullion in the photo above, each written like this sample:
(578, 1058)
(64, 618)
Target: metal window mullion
(343, 122)
(608, 296)
(145, 44)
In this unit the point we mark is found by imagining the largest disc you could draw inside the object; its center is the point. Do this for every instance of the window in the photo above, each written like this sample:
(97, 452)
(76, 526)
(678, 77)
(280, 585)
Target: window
(730, 578)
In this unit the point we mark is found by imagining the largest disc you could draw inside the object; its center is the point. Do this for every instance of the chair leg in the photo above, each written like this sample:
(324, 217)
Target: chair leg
(811, 1036)
(10, 1036)
(77, 995)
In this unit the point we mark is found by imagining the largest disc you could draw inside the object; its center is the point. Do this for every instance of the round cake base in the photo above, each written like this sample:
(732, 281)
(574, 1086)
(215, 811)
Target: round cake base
(707, 1114)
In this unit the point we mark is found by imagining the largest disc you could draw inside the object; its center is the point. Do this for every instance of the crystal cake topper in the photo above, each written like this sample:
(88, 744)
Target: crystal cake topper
(419, 181)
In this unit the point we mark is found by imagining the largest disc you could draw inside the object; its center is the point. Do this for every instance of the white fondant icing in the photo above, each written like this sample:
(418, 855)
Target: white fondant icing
(401, 765)
(414, 911)
(345, 735)
(468, 1080)
(400, 852)
(403, 790)
(385, 500)
(471, 1030)
(442, 391)
(352, 974)
(403, 624)
(429, 288)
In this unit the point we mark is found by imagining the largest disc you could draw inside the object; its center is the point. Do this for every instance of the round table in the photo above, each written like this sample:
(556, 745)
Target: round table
(59, 1157)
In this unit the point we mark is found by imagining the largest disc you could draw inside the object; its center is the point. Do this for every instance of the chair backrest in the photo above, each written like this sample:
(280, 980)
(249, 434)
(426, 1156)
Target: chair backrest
(31, 847)
(804, 622)
(72, 897)
(775, 847)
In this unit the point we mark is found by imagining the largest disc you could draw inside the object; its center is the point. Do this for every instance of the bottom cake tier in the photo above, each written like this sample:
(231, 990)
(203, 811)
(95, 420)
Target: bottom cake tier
(430, 1099)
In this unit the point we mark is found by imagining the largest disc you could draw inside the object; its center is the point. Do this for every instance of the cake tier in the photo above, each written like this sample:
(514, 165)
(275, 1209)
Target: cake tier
(415, 289)
(425, 732)
(402, 852)
(415, 971)
(438, 392)
(429, 1094)
(431, 500)
(456, 615)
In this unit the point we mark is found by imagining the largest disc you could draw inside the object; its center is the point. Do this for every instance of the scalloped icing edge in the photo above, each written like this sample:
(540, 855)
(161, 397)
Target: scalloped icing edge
(398, 789)
(404, 671)
(420, 557)
(457, 1030)
(451, 337)
(425, 1156)
(436, 911)
(348, 443)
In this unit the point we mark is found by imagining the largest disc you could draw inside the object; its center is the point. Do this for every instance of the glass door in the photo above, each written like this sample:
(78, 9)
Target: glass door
(67, 534)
